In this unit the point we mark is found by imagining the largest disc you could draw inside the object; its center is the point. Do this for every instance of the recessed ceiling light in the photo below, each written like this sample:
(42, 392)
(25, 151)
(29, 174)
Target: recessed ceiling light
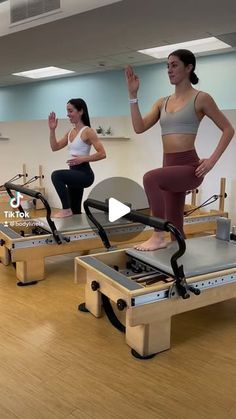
(196, 46)
(40, 73)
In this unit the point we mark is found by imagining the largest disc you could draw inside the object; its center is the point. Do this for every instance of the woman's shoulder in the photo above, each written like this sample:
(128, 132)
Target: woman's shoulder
(88, 134)
(204, 101)
(203, 97)
(85, 131)
(162, 100)
(158, 105)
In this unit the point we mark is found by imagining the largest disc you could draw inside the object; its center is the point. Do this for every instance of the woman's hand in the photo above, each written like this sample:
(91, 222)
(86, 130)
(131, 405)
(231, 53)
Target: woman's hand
(76, 160)
(132, 82)
(52, 121)
(205, 165)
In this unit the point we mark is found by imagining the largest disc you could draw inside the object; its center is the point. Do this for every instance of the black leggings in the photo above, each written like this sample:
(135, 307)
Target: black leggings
(70, 184)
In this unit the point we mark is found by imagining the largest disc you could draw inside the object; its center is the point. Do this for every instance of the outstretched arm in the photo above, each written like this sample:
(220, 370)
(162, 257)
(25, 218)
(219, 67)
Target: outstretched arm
(140, 124)
(209, 108)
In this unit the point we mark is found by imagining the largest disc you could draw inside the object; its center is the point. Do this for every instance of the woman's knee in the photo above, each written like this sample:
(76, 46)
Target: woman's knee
(150, 177)
(55, 176)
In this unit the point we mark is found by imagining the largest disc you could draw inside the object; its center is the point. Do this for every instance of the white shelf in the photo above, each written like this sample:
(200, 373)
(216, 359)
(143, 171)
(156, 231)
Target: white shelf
(112, 137)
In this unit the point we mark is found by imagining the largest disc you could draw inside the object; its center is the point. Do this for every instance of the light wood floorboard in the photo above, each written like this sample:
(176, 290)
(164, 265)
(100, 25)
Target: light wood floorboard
(59, 363)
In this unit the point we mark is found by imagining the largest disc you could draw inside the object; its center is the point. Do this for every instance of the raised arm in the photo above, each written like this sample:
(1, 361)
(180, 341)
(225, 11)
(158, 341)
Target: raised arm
(52, 123)
(208, 107)
(140, 124)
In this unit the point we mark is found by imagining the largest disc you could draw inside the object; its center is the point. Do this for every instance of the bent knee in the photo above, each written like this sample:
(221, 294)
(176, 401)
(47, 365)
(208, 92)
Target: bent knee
(55, 175)
(151, 176)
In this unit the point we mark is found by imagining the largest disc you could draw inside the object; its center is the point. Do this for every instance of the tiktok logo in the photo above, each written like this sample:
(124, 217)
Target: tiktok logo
(15, 202)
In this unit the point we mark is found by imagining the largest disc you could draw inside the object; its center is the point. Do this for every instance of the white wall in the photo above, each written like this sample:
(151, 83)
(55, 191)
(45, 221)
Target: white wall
(29, 144)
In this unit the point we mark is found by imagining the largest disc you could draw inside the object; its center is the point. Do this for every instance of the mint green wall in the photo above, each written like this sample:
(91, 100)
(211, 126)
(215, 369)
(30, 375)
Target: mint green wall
(106, 95)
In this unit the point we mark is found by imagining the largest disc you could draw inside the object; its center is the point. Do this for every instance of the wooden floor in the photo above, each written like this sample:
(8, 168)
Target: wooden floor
(59, 363)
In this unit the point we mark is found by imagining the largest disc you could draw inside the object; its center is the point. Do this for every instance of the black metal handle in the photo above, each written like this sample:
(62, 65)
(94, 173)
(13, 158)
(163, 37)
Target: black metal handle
(134, 216)
(19, 188)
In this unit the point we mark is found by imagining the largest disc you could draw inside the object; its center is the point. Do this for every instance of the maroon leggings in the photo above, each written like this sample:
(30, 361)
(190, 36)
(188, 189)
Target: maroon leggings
(166, 187)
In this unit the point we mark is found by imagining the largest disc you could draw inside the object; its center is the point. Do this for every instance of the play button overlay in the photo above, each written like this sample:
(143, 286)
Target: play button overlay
(122, 195)
(117, 210)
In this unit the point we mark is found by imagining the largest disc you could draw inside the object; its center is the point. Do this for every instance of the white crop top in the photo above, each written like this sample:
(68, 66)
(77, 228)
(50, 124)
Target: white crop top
(78, 147)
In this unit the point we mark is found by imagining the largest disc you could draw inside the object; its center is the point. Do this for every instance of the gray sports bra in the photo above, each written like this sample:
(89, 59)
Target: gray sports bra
(184, 121)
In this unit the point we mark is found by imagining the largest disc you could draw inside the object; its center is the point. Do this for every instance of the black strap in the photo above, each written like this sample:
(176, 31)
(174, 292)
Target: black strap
(111, 315)
(209, 201)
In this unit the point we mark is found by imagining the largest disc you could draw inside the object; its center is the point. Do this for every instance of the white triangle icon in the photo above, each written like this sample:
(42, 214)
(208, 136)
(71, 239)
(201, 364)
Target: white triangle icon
(116, 209)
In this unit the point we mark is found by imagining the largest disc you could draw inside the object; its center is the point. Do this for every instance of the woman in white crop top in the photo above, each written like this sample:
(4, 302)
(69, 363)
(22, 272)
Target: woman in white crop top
(179, 115)
(70, 183)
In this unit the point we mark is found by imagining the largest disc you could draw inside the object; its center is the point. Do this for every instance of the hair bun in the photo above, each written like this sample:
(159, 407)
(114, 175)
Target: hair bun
(194, 78)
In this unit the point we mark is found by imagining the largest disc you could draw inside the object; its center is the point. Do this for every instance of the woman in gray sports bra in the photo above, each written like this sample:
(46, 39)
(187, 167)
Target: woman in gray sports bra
(180, 115)
(70, 183)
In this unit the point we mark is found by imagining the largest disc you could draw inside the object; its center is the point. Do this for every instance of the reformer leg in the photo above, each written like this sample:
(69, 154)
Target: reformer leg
(93, 300)
(30, 271)
(5, 257)
(146, 340)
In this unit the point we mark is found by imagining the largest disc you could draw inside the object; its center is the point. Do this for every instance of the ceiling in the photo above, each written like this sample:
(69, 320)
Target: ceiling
(107, 38)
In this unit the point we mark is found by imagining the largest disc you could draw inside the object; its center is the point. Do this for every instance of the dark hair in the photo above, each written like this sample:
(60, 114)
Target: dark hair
(187, 57)
(80, 104)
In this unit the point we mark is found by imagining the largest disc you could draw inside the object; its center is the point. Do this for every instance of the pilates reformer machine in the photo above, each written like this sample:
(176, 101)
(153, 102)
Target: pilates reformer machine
(27, 242)
(148, 288)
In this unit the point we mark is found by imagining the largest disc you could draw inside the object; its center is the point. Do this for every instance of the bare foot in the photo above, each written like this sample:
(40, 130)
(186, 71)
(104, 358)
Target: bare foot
(63, 213)
(155, 242)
